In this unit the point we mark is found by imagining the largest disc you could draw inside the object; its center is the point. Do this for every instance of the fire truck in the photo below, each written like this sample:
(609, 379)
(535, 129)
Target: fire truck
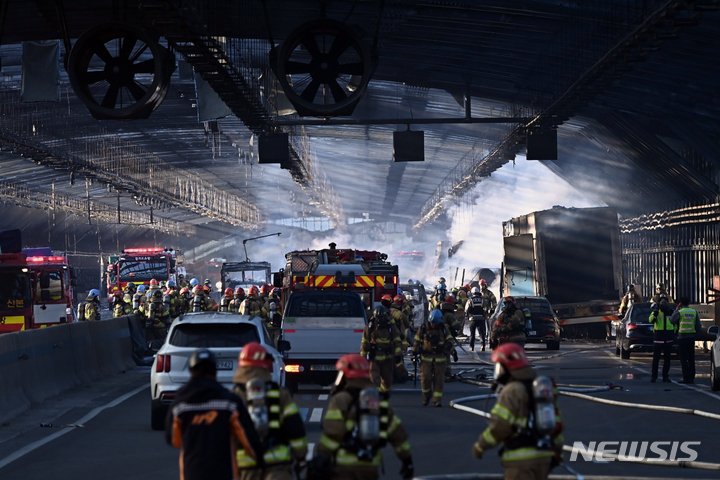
(140, 265)
(35, 291)
(363, 271)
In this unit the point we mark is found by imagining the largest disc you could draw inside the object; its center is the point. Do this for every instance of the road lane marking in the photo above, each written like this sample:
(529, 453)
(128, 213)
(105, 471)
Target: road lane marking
(311, 451)
(92, 414)
(323, 397)
(316, 415)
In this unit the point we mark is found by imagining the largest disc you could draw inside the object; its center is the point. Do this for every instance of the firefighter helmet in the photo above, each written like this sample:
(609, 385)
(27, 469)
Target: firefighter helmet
(353, 365)
(228, 292)
(387, 297)
(436, 317)
(141, 289)
(631, 288)
(184, 290)
(93, 294)
(379, 312)
(131, 287)
(198, 290)
(441, 280)
(450, 300)
(475, 291)
(253, 290)
(399, 299)
(255, 355)
(511, 355)
(153, 282)
(509, 300)
(157, 294)
(202, 356)
(206, 289)
(207, 282)
(467, 287)
(483, 282)
(659, 286)
(265, 290)
(171, 284)
(193, 282)
(239, 291)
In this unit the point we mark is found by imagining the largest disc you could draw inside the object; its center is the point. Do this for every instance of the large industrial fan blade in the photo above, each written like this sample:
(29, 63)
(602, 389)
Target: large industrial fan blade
(315, 65)
(119, 71)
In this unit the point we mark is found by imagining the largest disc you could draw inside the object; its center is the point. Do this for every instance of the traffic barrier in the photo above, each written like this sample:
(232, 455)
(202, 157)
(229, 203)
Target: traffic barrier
(38, 364)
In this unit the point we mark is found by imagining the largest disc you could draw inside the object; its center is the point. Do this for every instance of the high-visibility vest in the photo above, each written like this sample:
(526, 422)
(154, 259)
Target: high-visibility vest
(688, 317)
(661, 322)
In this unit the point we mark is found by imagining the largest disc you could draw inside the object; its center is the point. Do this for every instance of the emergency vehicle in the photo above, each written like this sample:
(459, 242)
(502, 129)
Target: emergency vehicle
(363, 271)
(35, 291)
(140, 265)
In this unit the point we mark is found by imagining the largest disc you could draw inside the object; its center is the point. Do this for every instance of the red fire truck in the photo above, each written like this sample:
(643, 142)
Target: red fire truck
(363, 271)
(35, 291)
(140, 265)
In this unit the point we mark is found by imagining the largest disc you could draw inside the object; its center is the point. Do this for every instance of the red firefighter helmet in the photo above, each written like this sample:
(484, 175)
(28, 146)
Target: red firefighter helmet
(508, 300)
(387, 297)
(265, 290)
(450, 300)
(255, 355)
(353, 365)
(239, 291)
(206, 289)
(467, 287)
(253, 290)
(483, 283)
(510, 355)
(184, 290)
(198, 290)
(153, 282)
(228, 292)
(399, 299)
(169, 291)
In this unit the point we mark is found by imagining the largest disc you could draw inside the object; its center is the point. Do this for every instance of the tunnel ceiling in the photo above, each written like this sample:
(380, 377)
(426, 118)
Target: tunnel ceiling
(631, 87)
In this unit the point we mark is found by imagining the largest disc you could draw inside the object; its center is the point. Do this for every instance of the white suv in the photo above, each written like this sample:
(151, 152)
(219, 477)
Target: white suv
(224, 334)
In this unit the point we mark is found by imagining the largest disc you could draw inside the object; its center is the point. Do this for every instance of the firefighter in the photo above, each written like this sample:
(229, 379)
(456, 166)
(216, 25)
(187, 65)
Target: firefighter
(447, 308)
(123, 306)
(489, 300)
(184, 298)
(199, 303)
(275, 415)
(528, 447)
(209, 424)
(154, 285)
(182, 283)
(138, 302)
(663, 337)
(660, 290)
(157, 316)
(92, 306)
(252, 304)
(237, 300)
(210, 303)
(274, 297)
(403, 325)
(509, 325)
(226, 299)
(194, 282)
(381, 346)
(357, 425)
(130, 289)
(172, 299)
(265, 291)
(207, 283)
(433, 344)
(460, 302)
(630, 297)
(274, 323)
(476, 316)
(438, 296)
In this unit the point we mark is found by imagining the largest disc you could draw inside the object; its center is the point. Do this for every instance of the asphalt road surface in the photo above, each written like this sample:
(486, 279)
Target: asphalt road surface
(103, 430)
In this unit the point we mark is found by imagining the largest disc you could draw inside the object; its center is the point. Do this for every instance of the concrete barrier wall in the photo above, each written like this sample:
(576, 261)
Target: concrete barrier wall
(38, 364)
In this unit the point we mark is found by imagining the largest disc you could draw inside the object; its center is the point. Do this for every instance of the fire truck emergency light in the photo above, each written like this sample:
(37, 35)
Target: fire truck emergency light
(144, 250)
(47, 259)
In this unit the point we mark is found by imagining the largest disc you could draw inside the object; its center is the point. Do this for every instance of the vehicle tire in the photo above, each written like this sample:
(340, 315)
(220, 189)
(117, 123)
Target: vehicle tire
(553, 345)
(158, 411)
(624, 354)
(714, 377)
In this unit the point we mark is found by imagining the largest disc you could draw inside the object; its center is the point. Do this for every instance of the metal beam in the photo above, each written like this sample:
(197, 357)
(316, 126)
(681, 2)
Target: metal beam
(399, 121)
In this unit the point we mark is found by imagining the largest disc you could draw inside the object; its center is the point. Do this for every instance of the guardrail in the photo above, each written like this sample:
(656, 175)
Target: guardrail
(38, 364)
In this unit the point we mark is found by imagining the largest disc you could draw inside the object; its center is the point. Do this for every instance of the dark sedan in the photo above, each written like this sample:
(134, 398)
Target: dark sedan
(634, 332)
(542, 326)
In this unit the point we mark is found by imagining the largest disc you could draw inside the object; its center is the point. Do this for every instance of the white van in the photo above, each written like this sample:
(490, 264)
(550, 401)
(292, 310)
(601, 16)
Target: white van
(321, 326)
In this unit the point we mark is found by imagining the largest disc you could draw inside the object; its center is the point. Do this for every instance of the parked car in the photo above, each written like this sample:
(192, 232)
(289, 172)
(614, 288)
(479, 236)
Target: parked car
(224, 334)
(634, 332)
(714, 330)
(543, 325)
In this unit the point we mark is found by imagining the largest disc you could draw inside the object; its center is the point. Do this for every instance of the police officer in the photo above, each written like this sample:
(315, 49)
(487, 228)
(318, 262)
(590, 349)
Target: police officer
(663, 337)
(358, 424)
(509, 325)
(433, 344)
(275, 415)
(476, 316)
(381, 346)
(523, 455)
(209, 424)
(92, 306)
(687, 322)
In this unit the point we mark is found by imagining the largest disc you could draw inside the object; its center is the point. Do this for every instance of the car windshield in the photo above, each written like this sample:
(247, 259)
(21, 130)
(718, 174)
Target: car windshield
(325, 304)
(143, 270)
(213, 335)
(539, 306)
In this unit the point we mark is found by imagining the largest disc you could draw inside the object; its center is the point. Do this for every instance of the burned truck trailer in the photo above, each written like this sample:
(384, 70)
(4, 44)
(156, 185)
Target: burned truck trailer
(572, 257)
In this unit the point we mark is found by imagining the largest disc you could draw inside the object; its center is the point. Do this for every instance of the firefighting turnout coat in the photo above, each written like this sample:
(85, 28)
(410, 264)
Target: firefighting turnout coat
(340, 421)
(209, 424)
(380, 343)
(509, 417)
(286, 440)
